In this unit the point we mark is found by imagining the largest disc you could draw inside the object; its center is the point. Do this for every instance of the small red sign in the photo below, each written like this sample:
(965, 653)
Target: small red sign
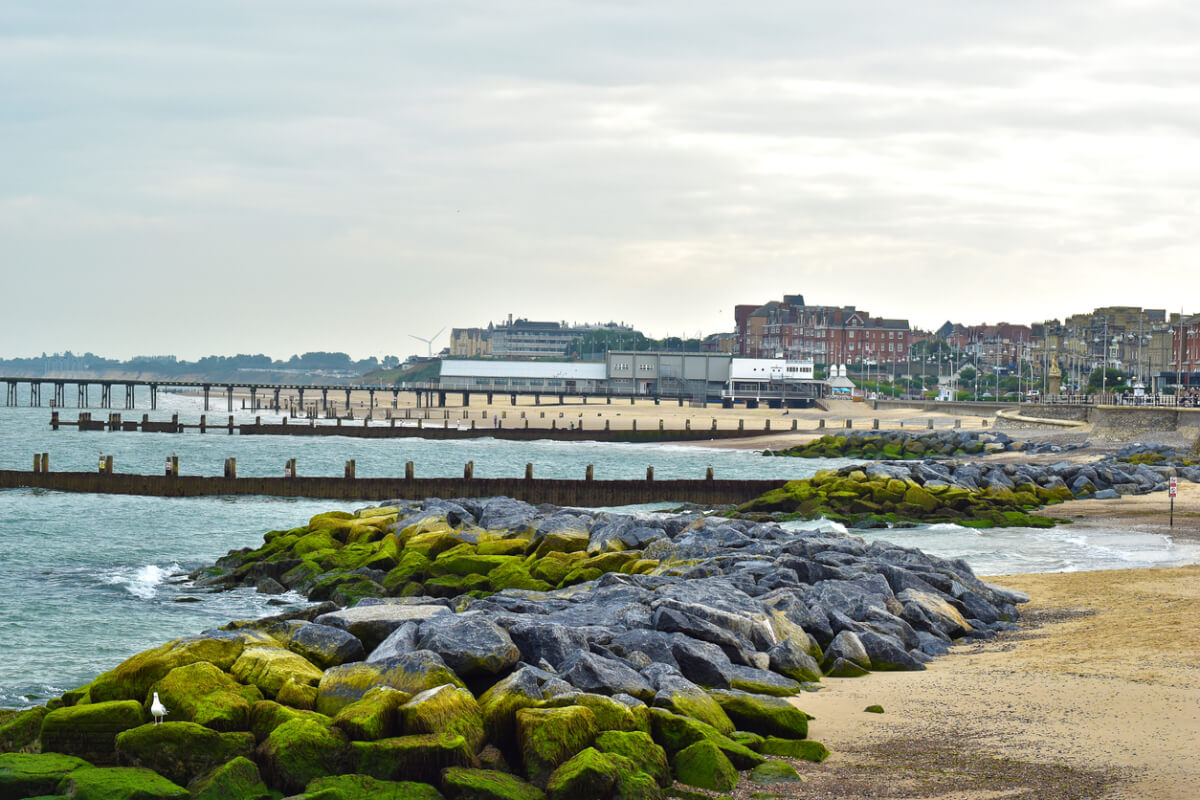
(1173, 486)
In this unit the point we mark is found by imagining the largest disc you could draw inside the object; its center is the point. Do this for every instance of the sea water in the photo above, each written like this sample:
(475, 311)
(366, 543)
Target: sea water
(88, 580)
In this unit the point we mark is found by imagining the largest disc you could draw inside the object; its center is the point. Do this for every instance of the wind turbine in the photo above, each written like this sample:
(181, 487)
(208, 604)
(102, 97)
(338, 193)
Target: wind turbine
(428, 342)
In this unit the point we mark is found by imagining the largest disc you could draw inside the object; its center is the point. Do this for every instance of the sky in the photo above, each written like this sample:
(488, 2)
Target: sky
(271, 176)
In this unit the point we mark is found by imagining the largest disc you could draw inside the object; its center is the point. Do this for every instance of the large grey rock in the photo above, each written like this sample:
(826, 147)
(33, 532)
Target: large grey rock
(470, 644)
(886, 653)
(374, 623)
(589, 672)
(846, 645)
(325, 645)
(399, 642)
(702, 662)
(789, 658)
(539, 639)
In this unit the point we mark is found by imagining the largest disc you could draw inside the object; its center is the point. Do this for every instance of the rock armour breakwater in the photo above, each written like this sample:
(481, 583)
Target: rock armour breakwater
(897, 445)
(664, 667)
(975, 495)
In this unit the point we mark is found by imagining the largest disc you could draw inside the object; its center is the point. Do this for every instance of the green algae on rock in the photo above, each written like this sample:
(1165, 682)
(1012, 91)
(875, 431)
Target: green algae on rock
(237, 778)
(90, 731)
(465, 783)
(180, 751)
(548, 737)
(703, 765)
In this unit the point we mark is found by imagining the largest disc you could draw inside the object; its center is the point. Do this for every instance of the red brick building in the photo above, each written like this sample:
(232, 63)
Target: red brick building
(825, 334)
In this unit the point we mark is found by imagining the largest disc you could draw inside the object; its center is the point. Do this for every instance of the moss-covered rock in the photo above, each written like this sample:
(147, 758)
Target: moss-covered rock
(202, 693)
(269, 668)
(444, 709)
(90, 731)
(639, 748)
(515, 575)
(297, 695)
(299, 751)
(697, 705)
(410, 566)
(364, 787)
(548, 737)
(412, 673)
(237, 779)
(463, 783)
(775, 772)
(675, 732)
(770, 716)
(132, 679)
(180, 751)
(374, 716)
(22, 730)
(805, 749)
(704, 765)
(421, 757)
(32, 774)
(120, 783)
(267, 715)
(588, 775)
(562, 542)
(611, 715)
(500, 705)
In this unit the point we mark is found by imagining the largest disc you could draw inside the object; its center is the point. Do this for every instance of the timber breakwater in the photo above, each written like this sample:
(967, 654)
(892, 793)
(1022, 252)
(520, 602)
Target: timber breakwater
(490, 648)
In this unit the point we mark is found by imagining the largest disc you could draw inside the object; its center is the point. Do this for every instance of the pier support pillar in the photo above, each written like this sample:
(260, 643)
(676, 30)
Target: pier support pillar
(229, 398)
(129, 396)
(347, 399)
(466, 401)
(81, 399)
(205, 388)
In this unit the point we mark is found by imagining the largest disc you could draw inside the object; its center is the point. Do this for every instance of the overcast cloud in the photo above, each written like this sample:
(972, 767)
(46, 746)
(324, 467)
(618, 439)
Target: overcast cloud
(224, 177)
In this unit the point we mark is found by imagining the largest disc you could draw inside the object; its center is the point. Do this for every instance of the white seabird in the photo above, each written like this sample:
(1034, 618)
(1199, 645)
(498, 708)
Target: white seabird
(158, 710)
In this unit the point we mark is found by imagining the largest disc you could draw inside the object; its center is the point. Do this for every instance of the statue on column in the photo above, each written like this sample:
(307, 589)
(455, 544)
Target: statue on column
(1054, 377)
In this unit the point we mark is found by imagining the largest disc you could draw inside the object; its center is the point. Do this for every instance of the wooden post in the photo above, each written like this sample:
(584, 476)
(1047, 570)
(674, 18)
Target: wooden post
(108, 464)
(687, 424)
(37, 462)
(795, 424)
(45, 462)
(635, 425)
(589, 473)
(821, 423)
(929, 424)
(468, 470)
(741, 424)
(874, 424)
(53, 420)
(660, 426)
(231, 424)
(714, 424)
(957, 424)
(174, 465)
(233, 466)
(605, 424)
(649, 473)
(410, 471)
(528, 470)
(708, 473)
(766, 425)
(350, 469)
(849, 424)
(204, 422)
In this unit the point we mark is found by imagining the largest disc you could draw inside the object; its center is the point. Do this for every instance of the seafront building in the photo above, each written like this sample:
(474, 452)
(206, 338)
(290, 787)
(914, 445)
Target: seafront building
(523, 338)
(695, 377)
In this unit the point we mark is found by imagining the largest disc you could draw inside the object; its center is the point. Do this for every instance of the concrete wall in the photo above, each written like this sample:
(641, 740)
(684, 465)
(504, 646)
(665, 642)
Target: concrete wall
(976, 409)
(1134, 419)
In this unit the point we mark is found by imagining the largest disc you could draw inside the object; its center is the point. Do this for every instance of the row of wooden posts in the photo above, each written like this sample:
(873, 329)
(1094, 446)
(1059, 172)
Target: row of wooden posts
(41, 463)
(115, 422)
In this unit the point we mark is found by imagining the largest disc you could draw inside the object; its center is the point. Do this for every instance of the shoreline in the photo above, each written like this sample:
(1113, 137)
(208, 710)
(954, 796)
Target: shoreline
(1098, 695)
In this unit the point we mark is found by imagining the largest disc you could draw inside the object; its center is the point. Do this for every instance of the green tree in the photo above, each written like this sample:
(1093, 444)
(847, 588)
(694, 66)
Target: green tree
(1113, 382)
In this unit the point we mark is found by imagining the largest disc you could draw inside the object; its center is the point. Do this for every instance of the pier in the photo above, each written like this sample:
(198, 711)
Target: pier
(271, 396)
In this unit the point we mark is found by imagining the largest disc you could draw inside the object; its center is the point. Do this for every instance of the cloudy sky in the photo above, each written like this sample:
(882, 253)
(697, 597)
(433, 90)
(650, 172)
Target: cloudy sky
(280, 176)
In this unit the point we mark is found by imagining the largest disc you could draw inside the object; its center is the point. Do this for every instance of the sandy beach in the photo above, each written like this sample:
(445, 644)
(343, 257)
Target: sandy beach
(1097, 697)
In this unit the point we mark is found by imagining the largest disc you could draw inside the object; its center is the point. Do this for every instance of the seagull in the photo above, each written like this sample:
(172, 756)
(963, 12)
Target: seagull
(158, 709)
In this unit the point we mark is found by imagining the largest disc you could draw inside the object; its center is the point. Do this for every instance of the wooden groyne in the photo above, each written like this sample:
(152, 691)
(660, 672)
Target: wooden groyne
(425, 428)
(587, 493)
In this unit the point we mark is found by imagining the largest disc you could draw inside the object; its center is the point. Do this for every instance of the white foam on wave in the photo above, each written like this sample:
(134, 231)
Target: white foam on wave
(142, 582)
